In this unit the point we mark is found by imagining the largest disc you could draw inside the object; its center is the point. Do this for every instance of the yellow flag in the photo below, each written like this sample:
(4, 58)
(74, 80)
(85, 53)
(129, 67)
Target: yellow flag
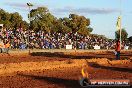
(118, 24)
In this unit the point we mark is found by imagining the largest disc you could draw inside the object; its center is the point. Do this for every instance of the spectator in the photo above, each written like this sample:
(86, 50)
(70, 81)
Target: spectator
(117, 47)
(19, 40)
(1, 46)
(7, 46)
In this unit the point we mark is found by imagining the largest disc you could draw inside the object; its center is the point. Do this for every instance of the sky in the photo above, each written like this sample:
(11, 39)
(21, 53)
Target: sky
(103, 14)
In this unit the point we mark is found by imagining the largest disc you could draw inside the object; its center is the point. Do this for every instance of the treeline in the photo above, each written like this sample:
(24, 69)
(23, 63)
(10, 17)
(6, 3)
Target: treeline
(12, 20)
(42, 19)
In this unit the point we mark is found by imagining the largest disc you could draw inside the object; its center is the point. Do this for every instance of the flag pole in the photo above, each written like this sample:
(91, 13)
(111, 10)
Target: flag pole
(29, 6)
(120, 24)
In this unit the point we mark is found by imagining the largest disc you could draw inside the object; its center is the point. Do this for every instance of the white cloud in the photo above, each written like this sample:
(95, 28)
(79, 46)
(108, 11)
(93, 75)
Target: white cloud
(86, 10)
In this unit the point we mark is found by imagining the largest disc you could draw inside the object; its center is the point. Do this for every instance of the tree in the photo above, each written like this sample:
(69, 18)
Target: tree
(124, 34)
(41, 19)
(63, 22)
(78, 24)
(5, 18)
(11, 20)
(130, 38)
(16, 20)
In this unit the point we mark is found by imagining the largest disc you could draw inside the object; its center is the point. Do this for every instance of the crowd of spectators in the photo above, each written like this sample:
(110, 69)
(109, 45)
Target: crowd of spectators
(22, 39)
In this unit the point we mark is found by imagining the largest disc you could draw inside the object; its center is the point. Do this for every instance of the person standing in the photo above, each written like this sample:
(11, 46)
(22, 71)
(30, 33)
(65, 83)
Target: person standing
(1, 46)
(117, 49)
(7, 46)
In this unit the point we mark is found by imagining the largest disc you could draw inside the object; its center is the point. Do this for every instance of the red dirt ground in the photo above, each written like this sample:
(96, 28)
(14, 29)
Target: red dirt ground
(61, 69)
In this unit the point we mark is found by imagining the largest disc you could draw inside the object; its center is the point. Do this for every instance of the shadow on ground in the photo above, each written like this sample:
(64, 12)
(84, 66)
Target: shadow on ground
(109, 55)
(66, 83)
(121, 69)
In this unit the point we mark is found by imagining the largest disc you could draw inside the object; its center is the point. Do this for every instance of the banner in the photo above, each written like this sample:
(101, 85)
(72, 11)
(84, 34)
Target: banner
(118, 24)
(96, 47)
(68, 46)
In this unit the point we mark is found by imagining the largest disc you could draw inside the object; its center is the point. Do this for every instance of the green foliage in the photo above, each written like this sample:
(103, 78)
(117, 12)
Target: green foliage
(42, 19)
(99, 36)
(65, 22)
(11, 20)
(130, 38)
(76, 23)
(79, 24)
(124, 34)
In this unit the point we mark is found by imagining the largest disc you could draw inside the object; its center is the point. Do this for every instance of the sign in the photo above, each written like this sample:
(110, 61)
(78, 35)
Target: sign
(110, 83)
(126, 47)
(115, 52)
(68, 46)
(96, 47)
(1, 25)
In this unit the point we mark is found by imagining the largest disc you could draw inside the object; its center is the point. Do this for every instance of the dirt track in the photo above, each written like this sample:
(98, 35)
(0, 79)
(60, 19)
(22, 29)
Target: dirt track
(60, 69)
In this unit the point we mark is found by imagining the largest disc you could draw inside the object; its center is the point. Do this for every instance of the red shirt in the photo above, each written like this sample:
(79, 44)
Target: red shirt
(118, 46)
